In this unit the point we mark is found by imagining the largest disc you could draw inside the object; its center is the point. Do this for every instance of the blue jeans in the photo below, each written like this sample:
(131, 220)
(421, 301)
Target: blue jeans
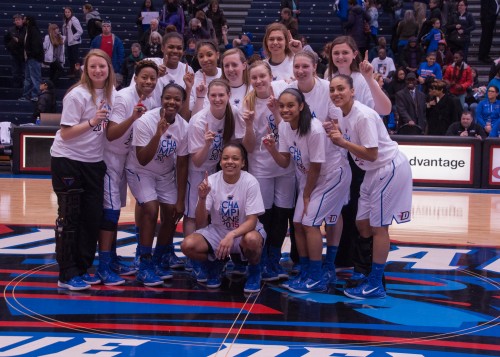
(32, 78)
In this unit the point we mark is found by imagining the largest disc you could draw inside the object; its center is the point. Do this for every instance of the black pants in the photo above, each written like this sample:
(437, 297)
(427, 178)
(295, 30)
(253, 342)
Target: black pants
(79, 242)
(487, 29)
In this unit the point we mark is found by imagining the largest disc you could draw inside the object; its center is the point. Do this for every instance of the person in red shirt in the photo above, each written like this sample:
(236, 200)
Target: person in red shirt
(458, 76)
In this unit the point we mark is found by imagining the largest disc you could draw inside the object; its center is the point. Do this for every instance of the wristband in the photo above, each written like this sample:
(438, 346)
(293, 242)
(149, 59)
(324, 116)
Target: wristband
(200, 97)
(92, 126)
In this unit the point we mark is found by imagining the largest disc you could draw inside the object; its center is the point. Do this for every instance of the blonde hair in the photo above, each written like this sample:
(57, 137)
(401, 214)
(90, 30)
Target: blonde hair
(56, 40)
(250, 98)
(243, 59)
(86, 82)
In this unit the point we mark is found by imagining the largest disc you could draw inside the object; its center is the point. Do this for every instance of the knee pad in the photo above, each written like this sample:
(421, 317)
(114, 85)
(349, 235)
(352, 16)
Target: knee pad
(110, 220)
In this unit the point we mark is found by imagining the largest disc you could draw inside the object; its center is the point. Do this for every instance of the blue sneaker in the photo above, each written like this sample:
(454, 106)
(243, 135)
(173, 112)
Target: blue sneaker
(252, 284)
(91, 280)
(329, 276)
(268, 274)
(120, 268)
(74, 284)
(199, 273)
(163, 273)
(188, 264)
(214, 270)
(280, 271)
(355, 280)
(308, 286)
(295, 280)
(109, 277)
(169, 259)
(239, 269)
(366, 290)
(214, 282)
(146, 274)
(296, 269)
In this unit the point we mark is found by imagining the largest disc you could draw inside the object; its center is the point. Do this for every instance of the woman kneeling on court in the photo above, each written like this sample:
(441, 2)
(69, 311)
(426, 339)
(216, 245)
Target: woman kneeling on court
(386, 190)
(233, 200)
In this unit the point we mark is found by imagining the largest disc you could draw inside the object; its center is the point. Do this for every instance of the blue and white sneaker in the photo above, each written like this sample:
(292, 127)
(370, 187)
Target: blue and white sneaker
(214, 270)
(120, 268)
(74, 284)
(252, 284)
(148, 277)
(188, 264)
(91, 280)
(329, 276)
(239, 269)
(366, 290)
(268, 273)
(296, 269)
(199, 273)
(163, 273)
(171, 260)
(110, 278)
(280, 271)
(355, 280)
(308, 286)
(295, 280)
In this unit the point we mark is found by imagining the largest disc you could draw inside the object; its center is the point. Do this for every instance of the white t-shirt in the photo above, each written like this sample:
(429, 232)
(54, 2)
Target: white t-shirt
(123, 106)
(230, 204)
(362, 92)
(78, 107)
(196, 136)
(319, 100)
(238, 94)
(284, 70)
(363, 126)
(172, 76)
(313, 147)
(198, 78)
(172, 143)
(260, 162)
(383, 66)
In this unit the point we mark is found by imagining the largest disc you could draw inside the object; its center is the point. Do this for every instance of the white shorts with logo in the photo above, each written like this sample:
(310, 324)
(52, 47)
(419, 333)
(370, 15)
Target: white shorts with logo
(115, 181)
(214, 235)
(327, 199)
(280, 191)
(147, 187)
(386, 194)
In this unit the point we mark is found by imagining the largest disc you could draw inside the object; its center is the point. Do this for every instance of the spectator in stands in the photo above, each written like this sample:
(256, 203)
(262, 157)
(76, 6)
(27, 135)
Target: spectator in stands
(443, 109)
(458, 76)
(495, 79)
(193, 6)
(488, 110)
(428, 71)
(488, 16)
(93, 21)
(355, 26)
(460, 28)
(73, 32)
(195, 31)
(147, 6)
(113, 46)
(381, 43)
(190, 55)
(290, 22)
(412, 55)
(244, 43)
(172, 13)
(372, 11)
(207, 25)
(435, 13)
(33, 53)
(384, 65)
(398, 82)
(444, 56)
(292, 5)
(154, 26)
(466, 127)
(153, 47)
(430, 40)
(128, 67)
(53, 47)
(407, 28)
(14, 42)
(46, 99)
(215, 13)
(475, 93)
(410, 104)
(420, 7)
(305, 46)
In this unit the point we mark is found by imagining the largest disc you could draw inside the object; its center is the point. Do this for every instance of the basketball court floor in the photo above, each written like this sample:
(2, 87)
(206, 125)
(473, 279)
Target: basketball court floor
(443, 284)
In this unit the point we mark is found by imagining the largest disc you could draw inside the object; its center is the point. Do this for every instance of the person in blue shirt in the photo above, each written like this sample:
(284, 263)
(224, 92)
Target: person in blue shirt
(433, 37)
(429, 71)
(488, 110)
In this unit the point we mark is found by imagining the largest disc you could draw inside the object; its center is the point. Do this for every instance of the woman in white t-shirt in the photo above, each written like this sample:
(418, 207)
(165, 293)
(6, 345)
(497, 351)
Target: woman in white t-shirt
(207, 54)
(386, 191)
(78, 170)
(317, 95)
(209, 130)
(157, 176)
(276, 183)
(129, 105)
(232, 199)
(279, 48)
(234, 70)
(324, 177)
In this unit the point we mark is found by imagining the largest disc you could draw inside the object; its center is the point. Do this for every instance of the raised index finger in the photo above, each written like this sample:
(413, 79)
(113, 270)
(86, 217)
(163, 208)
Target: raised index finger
(366, 55)
(206, 177)
(204, 78)
(187, 67)
(101, 104)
